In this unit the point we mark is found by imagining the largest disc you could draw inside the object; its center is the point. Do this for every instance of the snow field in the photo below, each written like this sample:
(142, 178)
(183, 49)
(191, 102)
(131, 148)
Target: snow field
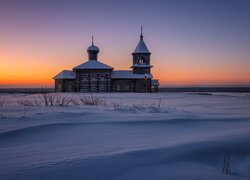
(130, 136)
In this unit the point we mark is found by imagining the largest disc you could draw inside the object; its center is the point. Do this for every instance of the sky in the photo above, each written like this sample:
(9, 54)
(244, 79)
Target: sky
(193, 42)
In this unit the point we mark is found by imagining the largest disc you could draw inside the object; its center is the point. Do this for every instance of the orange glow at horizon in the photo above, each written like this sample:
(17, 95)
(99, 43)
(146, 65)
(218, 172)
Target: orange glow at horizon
(201, 77)
(36, 66)
(40, 74)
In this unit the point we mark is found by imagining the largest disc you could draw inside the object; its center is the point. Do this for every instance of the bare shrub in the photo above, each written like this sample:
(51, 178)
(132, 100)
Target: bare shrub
(115, 105)
(26, 102)
(30, 101)
(37, 101)
(2, 101)
(159, 103)
(63, 100)
(226, 165)
(47, 98)
(75, 102)
(53, 99)
(91, 100)
(150, 107)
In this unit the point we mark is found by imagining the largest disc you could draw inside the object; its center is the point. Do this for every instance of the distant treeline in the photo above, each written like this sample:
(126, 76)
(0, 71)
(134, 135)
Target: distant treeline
(206, 89)
(26, 90)
(163, 89)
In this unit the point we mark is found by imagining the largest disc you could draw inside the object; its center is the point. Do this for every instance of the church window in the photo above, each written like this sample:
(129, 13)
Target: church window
(118, 87)
(70, 87)
(127, 87)
(93, 78)
(59, 87)
(142, 61)
(102, 78)
(102, 87)
(84, 78)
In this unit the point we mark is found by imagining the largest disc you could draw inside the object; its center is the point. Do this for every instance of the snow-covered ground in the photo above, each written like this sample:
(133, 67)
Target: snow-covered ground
(131, 136)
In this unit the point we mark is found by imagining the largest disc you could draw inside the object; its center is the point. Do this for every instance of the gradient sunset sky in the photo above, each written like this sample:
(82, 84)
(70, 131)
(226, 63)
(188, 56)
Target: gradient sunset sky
(193, 42)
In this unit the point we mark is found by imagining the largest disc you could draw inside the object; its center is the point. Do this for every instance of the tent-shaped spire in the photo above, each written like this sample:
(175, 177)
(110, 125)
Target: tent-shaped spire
(141, 46)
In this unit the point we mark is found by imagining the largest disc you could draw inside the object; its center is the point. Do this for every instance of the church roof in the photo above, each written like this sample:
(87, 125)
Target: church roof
(127, 74)
(141, 65)
(93, 64)
(141, 47)
(65, 74)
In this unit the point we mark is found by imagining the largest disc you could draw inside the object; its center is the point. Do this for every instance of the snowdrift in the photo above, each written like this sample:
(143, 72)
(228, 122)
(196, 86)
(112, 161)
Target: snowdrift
(188, 136)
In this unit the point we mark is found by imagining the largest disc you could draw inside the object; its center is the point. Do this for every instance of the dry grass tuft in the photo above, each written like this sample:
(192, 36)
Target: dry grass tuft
(2, 101)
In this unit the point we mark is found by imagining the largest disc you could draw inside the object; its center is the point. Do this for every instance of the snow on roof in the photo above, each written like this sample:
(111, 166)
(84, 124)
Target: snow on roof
(155, 82)
(65, 74)
(127, 74)
(141, 65)
(141, 47)
(93, 64)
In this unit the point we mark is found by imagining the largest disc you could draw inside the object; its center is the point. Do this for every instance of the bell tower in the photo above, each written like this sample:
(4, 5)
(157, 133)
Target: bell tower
(141, 57)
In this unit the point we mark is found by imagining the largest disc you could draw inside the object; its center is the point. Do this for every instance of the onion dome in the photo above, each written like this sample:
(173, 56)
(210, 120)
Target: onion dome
(93, 51)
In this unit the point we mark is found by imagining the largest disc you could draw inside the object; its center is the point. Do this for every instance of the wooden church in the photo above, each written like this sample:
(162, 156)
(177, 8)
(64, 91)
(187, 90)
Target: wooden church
(94, 76)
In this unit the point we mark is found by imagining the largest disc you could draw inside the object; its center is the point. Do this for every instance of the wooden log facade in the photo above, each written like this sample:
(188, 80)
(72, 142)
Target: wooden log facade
(131, 85)
(93, 81)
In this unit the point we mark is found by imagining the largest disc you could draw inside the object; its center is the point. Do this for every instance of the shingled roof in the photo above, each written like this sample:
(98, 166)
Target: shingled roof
(141, 46)
(93, 64)
(126, 74)
(65, 74)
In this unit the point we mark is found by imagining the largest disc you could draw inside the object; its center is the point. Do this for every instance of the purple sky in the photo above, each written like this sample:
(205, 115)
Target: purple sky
(192, 41)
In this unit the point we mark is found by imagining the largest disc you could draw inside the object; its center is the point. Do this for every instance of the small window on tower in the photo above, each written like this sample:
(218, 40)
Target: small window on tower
(142, 61)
